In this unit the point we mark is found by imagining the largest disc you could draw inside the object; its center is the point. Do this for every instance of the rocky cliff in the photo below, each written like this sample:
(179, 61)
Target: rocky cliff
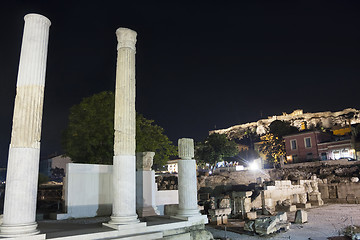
(297, 119)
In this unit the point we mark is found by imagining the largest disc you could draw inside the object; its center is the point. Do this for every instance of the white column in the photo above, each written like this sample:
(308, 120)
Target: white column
(24, 152)
(124, 161)
(145, 185)
(187, 181)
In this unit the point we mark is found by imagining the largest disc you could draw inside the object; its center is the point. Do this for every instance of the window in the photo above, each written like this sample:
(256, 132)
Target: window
(293, 144)
(309, 156)
(294, 158)
(307, 142)
(323, 156)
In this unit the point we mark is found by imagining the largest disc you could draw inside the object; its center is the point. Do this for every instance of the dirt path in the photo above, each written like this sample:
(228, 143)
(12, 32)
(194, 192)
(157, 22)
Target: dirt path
(323, 222)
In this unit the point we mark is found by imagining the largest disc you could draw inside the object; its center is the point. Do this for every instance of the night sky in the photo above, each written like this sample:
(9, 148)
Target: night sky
(198, 66)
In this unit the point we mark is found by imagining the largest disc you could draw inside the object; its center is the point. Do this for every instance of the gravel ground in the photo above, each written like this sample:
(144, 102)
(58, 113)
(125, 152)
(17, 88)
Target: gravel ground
(323, 222)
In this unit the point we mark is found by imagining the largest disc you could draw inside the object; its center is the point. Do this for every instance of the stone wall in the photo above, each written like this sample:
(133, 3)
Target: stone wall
(333, 171)
(348, 192)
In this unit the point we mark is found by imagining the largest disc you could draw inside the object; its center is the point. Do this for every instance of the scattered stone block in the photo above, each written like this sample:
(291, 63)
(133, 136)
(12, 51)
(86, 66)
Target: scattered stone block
(224, 219)
(242, 194)
(216, 219)
(265, 226)
(295, 199)
(315, 199)
(249, 226)
(219, 216)
(283, 226)
(356, 236)
(291, 208)
(251, 215)
(354, 179)
(267, 211)
(351, 198)
(282, 216)
(300, 216)
(286, 203)
(303, 205)
(224, 203)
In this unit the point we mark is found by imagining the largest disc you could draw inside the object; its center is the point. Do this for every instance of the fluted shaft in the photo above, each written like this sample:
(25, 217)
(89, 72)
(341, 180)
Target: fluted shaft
(125, 124)
(124, 161)
(24, 152)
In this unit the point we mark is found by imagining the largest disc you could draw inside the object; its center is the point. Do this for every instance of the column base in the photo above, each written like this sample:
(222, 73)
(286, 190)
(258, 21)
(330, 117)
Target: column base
(124, 220)
(138, 226)
(19, 230)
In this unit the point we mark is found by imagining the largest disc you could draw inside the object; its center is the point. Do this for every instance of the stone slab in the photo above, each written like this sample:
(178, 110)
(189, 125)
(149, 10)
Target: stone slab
(300, 216)
(251, 215)
(291, 208)
(303, 205)
(32, 237)
(121, 227)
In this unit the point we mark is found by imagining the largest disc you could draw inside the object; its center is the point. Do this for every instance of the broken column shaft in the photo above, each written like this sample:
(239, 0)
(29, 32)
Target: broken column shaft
(24, 151)
(187, 181)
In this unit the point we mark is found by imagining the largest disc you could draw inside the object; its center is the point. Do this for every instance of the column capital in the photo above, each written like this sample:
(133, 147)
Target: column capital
(37, 17)
(126, 38)
(186, 148)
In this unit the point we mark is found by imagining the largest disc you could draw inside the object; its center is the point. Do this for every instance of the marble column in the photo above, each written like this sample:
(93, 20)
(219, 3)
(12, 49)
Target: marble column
(124, 161)
(24, 151)
(187, 181)
(145, 185)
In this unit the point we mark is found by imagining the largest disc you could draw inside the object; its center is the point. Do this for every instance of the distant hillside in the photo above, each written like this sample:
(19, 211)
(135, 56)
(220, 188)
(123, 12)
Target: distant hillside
(297, 118)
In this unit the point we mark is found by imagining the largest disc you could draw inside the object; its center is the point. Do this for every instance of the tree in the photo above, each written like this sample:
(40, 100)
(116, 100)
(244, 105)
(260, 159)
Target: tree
(273, 147)
(273, 144)
(89, 135)
(281, 128)
(215, 148)
(151, 137)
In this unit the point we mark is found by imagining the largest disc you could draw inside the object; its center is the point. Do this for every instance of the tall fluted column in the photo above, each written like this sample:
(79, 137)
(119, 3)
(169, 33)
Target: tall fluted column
(187, 182)
(24, 152)
(124, 161)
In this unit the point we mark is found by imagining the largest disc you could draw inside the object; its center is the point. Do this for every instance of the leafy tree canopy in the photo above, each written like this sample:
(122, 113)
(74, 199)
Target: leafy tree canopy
(215, 148)
(272, 144)
(281, 128)
(89, 136)
(273, 147)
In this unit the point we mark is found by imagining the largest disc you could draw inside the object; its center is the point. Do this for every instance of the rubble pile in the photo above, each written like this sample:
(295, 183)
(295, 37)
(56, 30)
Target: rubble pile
(167, 182)
(266, 225)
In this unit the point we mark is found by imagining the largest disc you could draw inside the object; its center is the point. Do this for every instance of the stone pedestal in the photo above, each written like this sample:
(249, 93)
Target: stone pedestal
(300, 216)
(315, 199)
(219, 216)
(145, 185)
(187, 181)
(24, 152)
(315, 195)
(124, 176)
(242, 202)
(303, 201)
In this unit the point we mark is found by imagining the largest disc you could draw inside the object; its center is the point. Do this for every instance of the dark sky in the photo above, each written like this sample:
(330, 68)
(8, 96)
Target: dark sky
(198, 66)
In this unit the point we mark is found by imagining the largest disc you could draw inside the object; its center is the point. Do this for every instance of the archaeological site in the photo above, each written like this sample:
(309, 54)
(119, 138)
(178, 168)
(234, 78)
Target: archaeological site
(311, 190)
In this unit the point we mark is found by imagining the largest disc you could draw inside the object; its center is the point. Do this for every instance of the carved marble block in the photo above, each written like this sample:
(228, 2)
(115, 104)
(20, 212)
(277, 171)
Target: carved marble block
(144, 161)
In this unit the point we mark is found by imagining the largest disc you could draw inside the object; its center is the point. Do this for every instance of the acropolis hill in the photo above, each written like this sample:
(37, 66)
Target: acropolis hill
(296, 118)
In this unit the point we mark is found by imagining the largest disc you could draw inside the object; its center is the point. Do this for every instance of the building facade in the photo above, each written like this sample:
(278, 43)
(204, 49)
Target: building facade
(311, 145)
